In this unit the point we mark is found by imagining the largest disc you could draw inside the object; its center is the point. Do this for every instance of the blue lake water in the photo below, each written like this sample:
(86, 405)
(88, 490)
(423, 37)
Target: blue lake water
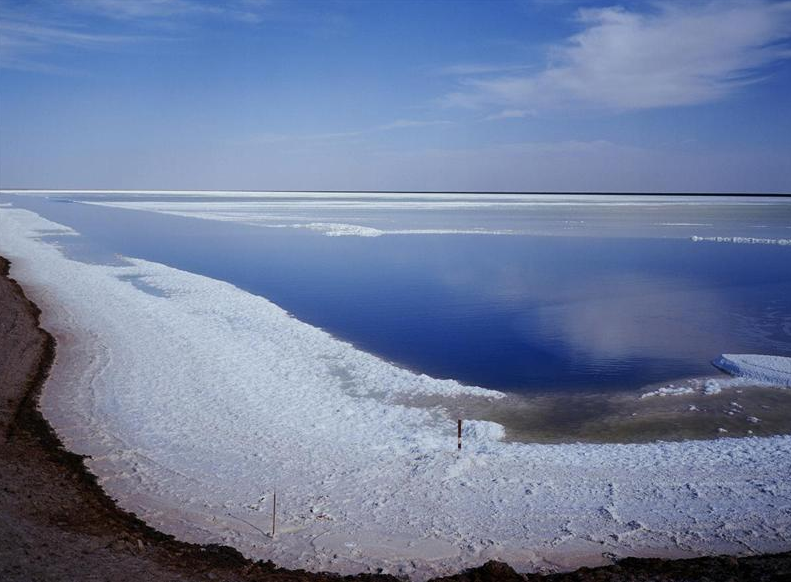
(524, 313)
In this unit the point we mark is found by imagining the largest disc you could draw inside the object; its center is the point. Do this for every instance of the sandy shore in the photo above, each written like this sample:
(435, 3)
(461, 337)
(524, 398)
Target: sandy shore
(56, 523)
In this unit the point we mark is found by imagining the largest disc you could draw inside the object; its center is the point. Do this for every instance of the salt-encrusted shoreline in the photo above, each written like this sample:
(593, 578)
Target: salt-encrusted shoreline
(56, 522)
(64, 525)
(361, 480)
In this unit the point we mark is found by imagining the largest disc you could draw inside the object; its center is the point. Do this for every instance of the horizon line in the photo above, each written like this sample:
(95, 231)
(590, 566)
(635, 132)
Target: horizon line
(498, 192)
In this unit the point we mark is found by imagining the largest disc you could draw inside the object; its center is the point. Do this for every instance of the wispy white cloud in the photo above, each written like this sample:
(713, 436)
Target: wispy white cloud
(16, 34)
(138, 8)
(675, 54)
(480, 68)
(243, 10)
(22, 43)
(510, 114)
(318, 138)
(410, 123)
(31, 32)
(328, 137)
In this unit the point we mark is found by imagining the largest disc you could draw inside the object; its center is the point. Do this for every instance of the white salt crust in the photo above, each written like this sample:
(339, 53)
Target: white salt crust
(196, 405)
(300, 209)
(775, 370)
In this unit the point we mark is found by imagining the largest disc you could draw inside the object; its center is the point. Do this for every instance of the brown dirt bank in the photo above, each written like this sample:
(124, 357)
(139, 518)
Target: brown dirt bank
(57, 524)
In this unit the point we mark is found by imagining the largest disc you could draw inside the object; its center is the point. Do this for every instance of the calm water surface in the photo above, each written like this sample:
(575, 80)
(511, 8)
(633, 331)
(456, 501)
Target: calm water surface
(528, 314)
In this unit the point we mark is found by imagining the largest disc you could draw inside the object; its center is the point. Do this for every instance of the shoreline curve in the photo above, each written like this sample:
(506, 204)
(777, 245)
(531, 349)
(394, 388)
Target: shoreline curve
(137, 542)
(577, 450)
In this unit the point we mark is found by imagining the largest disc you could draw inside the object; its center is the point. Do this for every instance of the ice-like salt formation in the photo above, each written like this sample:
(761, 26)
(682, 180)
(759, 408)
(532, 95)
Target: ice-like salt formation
(196, 402)
(705, 386)
(712, 386)
(747, 370)
(373, 214)
(341, 229)
(684, 224)
(767, 369)
(669, 391)
(745, 240)
(269, 215)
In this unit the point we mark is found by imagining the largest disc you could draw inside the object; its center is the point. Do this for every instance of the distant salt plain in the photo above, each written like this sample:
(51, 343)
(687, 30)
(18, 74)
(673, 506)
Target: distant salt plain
(382, 213)
(378, 214)
(196, 403)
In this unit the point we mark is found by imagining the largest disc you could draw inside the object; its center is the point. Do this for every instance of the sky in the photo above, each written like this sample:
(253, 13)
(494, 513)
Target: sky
(423, 95)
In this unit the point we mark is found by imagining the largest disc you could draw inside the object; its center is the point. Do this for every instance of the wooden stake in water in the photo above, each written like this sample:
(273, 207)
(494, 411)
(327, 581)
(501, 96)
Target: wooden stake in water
(274, 510)
(459, 434)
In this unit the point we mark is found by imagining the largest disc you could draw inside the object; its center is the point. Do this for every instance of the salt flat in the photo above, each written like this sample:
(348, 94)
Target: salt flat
(197, 402)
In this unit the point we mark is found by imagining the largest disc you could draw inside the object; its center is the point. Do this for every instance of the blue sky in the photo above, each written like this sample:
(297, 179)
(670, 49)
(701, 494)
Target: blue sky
(518, 95)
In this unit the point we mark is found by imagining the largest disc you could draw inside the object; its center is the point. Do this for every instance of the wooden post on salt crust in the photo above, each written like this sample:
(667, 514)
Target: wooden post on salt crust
(459, 434)
(274, 509)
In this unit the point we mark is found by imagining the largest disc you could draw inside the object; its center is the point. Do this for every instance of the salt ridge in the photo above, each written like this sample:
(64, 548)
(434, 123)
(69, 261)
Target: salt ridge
(196, 405)
(775, 370)
(745, 240)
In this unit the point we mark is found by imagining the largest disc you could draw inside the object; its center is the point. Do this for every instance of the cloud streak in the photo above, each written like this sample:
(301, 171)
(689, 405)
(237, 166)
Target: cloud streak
(242, 10)
(480, 69)
(677, 54)
(29, 34)
(509, 114)
(21, 43)
(331, 137)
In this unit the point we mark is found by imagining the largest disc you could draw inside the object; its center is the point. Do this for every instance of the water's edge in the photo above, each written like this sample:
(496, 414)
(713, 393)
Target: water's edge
(195, 561)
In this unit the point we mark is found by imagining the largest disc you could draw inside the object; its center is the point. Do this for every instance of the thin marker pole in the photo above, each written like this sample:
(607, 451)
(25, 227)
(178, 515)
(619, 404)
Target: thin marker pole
(274, 510)
(459, 434)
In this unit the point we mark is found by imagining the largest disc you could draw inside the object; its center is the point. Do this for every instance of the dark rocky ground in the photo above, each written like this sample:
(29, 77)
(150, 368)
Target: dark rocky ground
(57, 524)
